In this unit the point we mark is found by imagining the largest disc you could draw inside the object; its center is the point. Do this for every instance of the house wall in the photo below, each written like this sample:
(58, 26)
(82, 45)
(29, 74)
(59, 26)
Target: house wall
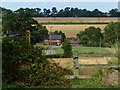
(55, 41)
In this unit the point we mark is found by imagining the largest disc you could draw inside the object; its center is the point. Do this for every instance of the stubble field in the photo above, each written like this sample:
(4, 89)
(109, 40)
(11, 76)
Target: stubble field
(76, 19)
(72, 30)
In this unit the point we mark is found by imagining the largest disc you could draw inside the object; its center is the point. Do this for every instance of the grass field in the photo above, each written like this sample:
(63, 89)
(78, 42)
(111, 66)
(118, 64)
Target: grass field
(87, 50)
(76, 19)
(73, 29)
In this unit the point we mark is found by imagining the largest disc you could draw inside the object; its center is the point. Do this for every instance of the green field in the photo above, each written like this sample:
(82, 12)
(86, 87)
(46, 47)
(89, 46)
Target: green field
(87, 50)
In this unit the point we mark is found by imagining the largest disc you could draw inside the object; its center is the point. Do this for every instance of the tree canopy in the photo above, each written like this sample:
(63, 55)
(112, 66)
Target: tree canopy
(68, 12)
(67, 48)
(19, 21)
(60, 33)
(91, 36)
(112, 33)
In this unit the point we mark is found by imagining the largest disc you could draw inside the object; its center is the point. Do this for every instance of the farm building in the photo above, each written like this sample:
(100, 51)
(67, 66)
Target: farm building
(53, 39)
(74, 41)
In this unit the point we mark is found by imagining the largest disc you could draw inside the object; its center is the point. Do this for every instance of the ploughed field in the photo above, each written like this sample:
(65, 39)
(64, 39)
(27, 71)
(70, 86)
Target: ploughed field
(72, 29)
(75, 19)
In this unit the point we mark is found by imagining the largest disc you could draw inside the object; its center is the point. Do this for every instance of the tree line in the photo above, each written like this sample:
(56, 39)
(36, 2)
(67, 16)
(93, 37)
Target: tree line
(94, 37)
(69, 12)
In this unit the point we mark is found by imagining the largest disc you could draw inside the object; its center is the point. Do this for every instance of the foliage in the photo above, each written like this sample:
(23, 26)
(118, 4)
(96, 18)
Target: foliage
(88, 83)
(60, 33)
(17, 22)
(111, 34)
(91, 36)
(68, 12)
(29, 66)
(96, 80)
(67, 48)
(13, 52)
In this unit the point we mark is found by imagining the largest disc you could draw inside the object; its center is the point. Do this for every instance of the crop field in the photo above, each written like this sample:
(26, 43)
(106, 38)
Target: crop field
(76, 19)
(68, 62)
(72, 30)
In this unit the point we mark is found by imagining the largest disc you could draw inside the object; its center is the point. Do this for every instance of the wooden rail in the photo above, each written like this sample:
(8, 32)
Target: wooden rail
(109, 66)
(77, 65)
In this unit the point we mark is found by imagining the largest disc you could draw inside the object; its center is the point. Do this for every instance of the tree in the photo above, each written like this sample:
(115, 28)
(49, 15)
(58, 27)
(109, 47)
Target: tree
(67, 9)
(60, 33)
(21, 20)
(84, 39)
(48, 12)
(54, 10)
(114, 12)
(91, 36)
(38, 10)
(111, 34)
(44, 11)
(67, 48)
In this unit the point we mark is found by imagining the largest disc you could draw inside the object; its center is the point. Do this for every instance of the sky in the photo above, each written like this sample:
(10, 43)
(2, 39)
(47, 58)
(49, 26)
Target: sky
(60, 0)
(102, 6)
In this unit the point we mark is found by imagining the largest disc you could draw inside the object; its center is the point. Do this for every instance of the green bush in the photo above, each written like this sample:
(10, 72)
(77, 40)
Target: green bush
(67, 48)
(12, 54)
(28, 65)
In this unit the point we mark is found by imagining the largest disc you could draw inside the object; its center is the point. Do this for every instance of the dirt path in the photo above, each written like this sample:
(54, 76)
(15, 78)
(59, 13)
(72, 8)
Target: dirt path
(50, 50)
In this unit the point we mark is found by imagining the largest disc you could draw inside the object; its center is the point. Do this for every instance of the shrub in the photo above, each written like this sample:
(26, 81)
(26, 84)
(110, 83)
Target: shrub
(29, 66)
(67, 48)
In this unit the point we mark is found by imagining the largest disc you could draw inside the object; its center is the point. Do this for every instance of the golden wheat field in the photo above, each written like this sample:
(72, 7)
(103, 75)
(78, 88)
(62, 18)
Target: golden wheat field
(72, 30)
(76, 19)
(68, 62)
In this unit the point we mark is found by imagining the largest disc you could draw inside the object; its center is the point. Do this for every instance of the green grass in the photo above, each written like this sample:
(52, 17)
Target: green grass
(115, 61)
(59, 50)
(76, 83)
(90, 50)
(75, 23)
(86, 50)
(90, 83)
(44, 46)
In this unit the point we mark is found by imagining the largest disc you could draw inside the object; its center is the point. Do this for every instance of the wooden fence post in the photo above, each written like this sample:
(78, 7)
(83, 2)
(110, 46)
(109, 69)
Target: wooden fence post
(28, 37)
(75, 61)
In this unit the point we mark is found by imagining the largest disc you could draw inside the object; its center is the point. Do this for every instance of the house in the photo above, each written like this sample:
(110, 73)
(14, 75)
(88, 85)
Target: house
(53, 39)
(74, 41)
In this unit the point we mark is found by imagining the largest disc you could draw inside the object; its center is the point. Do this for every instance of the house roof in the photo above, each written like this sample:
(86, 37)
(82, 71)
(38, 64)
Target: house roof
(74, 42)
(55, 37)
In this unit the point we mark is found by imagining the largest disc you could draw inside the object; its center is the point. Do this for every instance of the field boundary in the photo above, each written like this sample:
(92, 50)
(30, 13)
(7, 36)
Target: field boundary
(67, 23)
